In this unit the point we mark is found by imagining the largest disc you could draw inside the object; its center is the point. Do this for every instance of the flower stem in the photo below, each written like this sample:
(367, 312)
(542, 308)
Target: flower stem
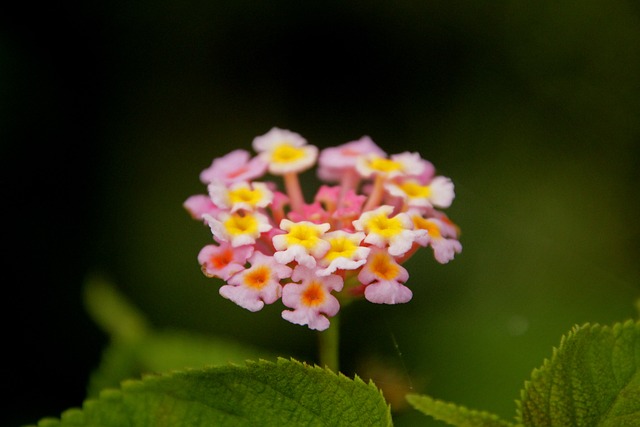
(376, 194)
(292, 184)
(328, 343)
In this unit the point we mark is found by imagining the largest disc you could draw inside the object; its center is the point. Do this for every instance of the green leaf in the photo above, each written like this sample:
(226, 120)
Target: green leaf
(165, 351)
(285, 393)
(455, 415)
(111, 310)
(591, 379)
(136, 348)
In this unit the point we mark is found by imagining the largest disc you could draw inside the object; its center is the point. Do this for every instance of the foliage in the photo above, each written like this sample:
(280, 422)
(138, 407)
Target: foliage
(592, 378)
(261, 393)
(183, 379)
(136, 348)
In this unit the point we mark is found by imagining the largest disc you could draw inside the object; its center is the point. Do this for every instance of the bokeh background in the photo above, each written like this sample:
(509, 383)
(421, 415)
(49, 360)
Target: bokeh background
(110, 110)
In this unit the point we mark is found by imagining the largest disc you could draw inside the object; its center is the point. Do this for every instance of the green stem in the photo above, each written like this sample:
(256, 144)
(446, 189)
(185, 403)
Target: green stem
(328, 342)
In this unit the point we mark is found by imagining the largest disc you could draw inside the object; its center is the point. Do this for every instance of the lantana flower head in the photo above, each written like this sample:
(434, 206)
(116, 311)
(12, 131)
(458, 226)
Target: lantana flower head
(372, 213)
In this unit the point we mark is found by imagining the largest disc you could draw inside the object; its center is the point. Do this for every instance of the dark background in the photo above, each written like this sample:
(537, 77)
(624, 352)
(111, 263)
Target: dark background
(109, 111)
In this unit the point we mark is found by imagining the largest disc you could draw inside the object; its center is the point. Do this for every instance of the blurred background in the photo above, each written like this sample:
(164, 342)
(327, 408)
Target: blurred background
(110, 110)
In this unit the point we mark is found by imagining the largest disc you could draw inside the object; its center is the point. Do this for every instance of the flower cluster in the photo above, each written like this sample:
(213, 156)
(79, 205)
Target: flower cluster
(372, 212)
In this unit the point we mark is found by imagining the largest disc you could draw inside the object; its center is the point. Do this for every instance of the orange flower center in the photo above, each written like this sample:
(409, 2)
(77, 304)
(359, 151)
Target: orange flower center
(314, 295)
(258, 278)
(383, 267)
(222, 259)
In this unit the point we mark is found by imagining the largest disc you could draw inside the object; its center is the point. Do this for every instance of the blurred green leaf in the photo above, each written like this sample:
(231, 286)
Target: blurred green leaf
(113, 312)
(165, 351)
(137, 349)
(261, 393)
(454, 414)
(592, 378)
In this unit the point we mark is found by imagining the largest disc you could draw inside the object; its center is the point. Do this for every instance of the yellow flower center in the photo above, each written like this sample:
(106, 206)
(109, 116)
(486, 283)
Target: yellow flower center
(238, 224)
(341, 247)
(384, 226)
(382, 267)
(314, 295)
(413, 189)
(287, 154)
(245, 195)
(381, 164)
(303, 234)
(257, 278)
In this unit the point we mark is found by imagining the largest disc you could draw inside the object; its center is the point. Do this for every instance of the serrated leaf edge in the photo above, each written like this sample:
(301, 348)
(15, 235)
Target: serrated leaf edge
(131, 384)
(412, 399)
(556, 350)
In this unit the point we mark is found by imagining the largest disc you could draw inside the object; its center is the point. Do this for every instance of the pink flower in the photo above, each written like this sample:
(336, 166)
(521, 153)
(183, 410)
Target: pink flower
(199, 205)
(313, 212)
(257, 285)
(441, 236)
(438, 193)
(383, 229)
(302, 242)
(328, 196)
(234, 167)
(399, 165)
(350, 205)
(441, 191)
(341, 204)
(345, 252)
(384, 277)
(428, 173)
(334, 162)
(223, 260)
(240, 195)
(239, 228)
(285, 151)
(311, 300)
